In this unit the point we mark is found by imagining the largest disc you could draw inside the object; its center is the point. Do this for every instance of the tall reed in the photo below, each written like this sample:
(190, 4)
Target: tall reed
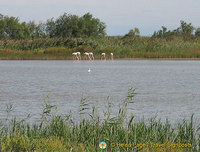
(136, 47)
(63, 133)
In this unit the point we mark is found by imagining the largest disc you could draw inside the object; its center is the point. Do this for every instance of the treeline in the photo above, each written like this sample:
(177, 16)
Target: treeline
(73, 26)
(185, 30)
(65, 26)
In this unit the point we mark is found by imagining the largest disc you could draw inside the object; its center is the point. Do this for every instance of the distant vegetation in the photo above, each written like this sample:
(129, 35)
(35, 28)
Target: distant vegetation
(66, 25)
(186, 30)
(58, 38)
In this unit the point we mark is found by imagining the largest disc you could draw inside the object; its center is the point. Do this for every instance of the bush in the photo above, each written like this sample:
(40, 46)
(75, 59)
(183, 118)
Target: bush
(50, 144)
(16, 143)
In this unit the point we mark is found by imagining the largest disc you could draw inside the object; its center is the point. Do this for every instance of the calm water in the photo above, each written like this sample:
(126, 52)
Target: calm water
(170, 89)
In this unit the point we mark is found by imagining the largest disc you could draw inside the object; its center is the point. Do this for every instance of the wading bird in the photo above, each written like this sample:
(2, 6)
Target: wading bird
(91, 55)
(75, 56)
(87, 56)
(79, 55)
(103, 56)
(111, 56)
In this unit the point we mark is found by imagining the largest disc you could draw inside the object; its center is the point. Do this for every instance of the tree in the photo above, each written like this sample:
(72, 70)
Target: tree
(39, 31)
(50, 28)
(2, 27)
(101, 29)
(133, 33)
(186, 29)
(197, 32)
(68, 25)
(13, 29)
(137, 31)
(92, 26)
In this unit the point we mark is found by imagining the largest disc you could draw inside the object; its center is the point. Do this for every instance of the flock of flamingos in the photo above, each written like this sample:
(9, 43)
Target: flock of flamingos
(89, 56)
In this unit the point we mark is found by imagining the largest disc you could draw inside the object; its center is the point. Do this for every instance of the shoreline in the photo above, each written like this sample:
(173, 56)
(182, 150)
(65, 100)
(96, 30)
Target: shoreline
(115, 59)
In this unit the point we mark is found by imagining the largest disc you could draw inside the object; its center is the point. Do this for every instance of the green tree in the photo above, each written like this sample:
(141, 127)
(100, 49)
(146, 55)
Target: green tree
(186, 28)
(101, 29)
(137, 31)
(2, 27)
(67, 26)
(14, 29)
(51, 28)
(92, 26)
(133, 33)
(39, 31)
(197, 32)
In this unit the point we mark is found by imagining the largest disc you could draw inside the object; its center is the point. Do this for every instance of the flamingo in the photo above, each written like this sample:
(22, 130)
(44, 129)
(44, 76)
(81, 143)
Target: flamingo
(103, 56)
(79, 55)
(111, 56)
(92, 56)
(75, 56)
(87, 55)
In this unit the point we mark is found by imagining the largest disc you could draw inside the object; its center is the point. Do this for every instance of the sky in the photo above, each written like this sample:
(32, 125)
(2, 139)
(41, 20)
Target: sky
(119, 15)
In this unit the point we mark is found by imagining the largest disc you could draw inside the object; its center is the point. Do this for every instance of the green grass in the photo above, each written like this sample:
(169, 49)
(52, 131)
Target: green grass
(136, 47)
(63, 133)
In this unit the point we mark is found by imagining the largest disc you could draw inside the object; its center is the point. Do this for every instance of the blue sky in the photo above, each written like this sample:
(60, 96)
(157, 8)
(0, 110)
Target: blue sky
(119, 15)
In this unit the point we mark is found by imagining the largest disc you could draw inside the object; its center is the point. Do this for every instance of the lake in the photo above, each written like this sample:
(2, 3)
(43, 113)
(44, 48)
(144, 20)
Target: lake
(167, 88)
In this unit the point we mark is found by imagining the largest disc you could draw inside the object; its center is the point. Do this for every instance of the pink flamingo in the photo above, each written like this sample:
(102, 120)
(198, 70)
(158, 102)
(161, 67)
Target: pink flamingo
(103, 56)
(87, 55)
(79, 55)
(91, 55)
(111, 56)
(75, 56)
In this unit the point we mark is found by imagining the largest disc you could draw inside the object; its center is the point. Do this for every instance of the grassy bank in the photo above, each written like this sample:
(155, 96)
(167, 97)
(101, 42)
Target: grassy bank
(122, 47)
(62, 133)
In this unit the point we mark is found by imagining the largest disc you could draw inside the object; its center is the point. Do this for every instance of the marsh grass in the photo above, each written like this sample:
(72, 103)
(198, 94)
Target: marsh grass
(136, 47)
(62, 133)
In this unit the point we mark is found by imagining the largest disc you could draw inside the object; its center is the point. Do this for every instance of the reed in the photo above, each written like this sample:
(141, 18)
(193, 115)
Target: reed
(122, 47)
(63, 133)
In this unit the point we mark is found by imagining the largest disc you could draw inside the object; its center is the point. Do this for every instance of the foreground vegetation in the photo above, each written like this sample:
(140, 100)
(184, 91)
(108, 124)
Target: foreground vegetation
(62, 133)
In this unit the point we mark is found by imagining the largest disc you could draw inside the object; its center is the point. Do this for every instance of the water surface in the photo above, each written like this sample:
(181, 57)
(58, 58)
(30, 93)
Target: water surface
(167, 88)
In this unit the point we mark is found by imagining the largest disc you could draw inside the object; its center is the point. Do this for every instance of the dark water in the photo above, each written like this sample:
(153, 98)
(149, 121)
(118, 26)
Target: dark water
(169, 89)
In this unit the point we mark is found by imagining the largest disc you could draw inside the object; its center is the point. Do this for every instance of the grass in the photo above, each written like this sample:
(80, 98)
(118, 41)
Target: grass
(121, 132)
(136, 47)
